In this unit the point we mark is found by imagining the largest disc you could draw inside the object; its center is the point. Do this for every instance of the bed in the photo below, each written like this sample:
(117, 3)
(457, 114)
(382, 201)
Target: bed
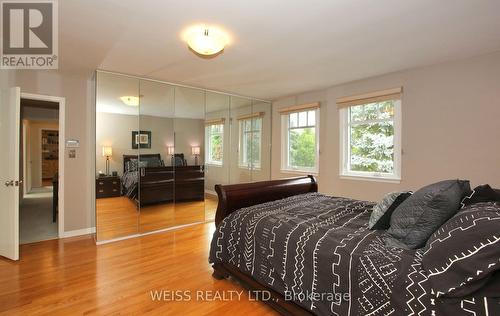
(159, 183)
(314, 254)
(156, 180)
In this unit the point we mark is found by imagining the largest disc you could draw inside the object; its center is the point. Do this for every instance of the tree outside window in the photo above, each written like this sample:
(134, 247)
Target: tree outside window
(371, 134)
(301, 141)
(215, 146)
(371, 140)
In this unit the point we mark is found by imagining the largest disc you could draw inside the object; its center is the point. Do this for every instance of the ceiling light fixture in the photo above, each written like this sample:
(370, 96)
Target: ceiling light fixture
(206, 40)
(130, 100)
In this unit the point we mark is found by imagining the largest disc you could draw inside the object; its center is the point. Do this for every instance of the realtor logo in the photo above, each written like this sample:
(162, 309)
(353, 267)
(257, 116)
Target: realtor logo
(29, 35)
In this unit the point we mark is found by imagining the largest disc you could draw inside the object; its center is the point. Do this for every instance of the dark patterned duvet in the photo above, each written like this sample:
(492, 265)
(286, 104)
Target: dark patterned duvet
(130, 181)
(317, 250)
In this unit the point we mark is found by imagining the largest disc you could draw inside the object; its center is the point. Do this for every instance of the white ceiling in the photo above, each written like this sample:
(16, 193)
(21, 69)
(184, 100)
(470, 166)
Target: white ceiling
(279, 47)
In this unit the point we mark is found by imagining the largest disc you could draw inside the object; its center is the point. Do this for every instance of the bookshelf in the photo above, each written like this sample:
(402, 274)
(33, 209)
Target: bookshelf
(50, 153)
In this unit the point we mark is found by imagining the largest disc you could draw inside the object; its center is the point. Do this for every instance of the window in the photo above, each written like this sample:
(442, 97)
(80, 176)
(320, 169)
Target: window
(250, 142)
(215, 143)
(300, 140)
(371, 140)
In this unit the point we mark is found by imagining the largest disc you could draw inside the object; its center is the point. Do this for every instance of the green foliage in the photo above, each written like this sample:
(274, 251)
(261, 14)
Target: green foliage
(216, 147)
(251, 129)
(302, 147)
(372, 144)
(252, 150)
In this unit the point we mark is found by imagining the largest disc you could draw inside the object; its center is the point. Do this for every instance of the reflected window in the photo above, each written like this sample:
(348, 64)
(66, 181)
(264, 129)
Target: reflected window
(215, 143)
(250, 141)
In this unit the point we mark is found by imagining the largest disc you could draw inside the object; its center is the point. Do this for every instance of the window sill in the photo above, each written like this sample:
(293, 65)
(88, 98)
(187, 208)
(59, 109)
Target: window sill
(247, 168)
(370, 178)
(211, 164)
(299, 172)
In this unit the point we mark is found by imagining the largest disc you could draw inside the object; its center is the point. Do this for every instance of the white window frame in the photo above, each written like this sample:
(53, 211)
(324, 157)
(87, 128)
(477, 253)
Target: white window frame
(242, 143)
(345, 173)
(208, 149)
(285, 153)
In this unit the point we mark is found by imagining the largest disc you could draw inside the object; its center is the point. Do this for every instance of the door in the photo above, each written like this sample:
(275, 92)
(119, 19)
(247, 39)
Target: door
(10, 100)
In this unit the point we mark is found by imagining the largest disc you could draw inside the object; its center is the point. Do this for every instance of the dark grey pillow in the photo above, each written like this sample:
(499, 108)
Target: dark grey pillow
(463, 255)
(381, 214)
(414, 221)
(150, 162)
(481, 193)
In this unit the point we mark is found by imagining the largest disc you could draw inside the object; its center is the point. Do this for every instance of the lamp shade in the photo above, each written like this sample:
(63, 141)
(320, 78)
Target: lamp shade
(195, 150)
(206, 40)
(170, 150)
(107, 151)
(130, 100)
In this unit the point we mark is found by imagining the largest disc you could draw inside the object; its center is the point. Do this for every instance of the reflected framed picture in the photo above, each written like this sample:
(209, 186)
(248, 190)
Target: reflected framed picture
(141, 139)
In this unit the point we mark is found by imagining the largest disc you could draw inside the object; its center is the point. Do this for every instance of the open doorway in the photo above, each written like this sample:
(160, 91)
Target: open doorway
(39, 167)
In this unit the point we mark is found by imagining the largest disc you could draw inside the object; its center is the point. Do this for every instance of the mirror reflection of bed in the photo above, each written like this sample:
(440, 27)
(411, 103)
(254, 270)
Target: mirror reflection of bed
(161, 148)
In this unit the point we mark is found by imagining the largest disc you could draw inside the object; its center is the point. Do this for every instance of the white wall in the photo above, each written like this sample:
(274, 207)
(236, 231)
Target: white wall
(76, 86)
(450, 127)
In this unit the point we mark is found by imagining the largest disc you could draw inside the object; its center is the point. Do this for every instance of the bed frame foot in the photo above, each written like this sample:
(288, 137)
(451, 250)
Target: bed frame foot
(219, 275)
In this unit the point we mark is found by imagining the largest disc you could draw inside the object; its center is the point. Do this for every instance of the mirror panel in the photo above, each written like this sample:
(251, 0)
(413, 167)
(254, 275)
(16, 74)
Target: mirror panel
(169, 146)
(189, 127)
(240, 140)
(217, 139)
(261, 140)
(156, 176)
(117, 116)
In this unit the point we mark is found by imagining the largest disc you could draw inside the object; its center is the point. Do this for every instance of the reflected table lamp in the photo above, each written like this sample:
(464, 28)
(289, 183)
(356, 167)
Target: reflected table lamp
(171, 152)
(196, 153)
(107, 151)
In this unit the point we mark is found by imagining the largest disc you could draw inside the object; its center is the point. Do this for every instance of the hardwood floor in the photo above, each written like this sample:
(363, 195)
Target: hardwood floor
(75, 277)
(118, 216)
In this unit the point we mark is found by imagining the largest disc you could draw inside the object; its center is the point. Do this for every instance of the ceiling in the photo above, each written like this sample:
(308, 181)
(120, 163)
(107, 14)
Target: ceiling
(278, 47)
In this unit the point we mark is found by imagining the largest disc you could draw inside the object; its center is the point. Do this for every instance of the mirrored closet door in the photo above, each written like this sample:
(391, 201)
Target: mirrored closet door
(250, 140)
(259, 140)
(241, 137)
(154, 143)
(161, 149)
(189, 127)
(217, 148)
(117, 178)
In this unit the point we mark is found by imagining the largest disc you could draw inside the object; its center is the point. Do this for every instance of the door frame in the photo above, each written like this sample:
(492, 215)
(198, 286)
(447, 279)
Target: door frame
(62, 108)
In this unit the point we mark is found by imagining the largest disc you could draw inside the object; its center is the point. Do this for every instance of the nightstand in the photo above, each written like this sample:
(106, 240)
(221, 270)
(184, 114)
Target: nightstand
(107, 187)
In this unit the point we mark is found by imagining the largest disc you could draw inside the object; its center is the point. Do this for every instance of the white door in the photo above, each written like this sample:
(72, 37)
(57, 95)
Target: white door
(10, 102)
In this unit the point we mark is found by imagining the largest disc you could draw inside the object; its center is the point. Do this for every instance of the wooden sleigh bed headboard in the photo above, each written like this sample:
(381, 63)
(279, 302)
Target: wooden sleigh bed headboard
(127, 158)
(235, 196)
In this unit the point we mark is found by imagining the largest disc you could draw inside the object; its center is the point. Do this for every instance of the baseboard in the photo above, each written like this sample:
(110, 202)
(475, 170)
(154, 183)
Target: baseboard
(78, 232)
(211, 192)
(102, 242)
(107, 241)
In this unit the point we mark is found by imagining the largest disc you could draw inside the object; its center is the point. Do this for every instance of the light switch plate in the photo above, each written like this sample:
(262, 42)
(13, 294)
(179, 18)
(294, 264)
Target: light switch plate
(72, 143)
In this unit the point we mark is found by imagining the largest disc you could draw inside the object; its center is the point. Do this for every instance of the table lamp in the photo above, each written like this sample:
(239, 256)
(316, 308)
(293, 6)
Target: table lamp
(196, 152)
(171, 152)
(107, 151)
